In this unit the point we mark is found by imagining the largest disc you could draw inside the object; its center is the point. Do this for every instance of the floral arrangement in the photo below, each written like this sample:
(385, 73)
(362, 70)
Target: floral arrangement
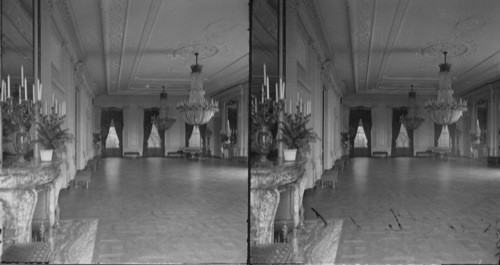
(50, 133)
(295, 133)
(19, 115)
(344, 138)
(264, 114)
(477, 139)
(225, 136)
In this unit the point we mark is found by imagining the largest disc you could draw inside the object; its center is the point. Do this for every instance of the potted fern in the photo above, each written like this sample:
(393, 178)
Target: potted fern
(52, 136)
(296, 135)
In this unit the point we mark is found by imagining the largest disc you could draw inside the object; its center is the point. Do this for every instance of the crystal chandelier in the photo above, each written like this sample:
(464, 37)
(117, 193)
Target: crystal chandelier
(163, 121)
(412, 120)
(197, 110)
(445, 110)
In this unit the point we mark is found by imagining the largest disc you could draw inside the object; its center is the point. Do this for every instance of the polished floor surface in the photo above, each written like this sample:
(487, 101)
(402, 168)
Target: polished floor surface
(160, 210)
(413, 210)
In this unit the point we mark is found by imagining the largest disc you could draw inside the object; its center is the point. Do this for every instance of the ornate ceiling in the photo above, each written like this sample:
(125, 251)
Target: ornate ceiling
(384, 46)
(137, 46)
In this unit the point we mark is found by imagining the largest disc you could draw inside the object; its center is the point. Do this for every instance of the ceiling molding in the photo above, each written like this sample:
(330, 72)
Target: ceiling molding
(113, 14)
(154, 9)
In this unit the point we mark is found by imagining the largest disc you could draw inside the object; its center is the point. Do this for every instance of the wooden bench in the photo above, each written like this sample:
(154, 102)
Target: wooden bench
(329, 178)
(383, 154)
(83, 176)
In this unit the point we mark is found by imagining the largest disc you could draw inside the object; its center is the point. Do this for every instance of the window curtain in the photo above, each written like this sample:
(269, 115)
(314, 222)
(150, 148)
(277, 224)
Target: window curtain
(203, 130)
(118, 120)
(353, 128)
(162, 138)
(438, 128)
(396, 127)
(366, 118)
(451, 130)
(189, 131)
(148, 127)
(482, 116)
(106, 116)
(105, 125)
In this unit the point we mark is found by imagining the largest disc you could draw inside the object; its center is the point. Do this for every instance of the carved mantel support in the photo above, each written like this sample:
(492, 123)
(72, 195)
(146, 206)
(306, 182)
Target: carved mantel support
(265, 184)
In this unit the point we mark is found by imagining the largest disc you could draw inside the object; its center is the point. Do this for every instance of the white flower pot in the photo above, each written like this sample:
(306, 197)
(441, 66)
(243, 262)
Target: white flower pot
(290, 154)
(46, 155)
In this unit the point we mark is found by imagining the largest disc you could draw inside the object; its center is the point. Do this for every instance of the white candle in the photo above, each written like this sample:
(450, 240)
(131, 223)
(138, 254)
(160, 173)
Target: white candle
(25, 91)
(8, 85)
(22, 74)
(25, 84)
(276, 88)
(262, 93)
(267, 87)
(33, 96)
(264, 73)
(3, 89)
(40, 93)
(56, 105)
(283, 91)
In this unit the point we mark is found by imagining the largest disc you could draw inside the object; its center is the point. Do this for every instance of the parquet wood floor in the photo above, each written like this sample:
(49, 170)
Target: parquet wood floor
(413, 210)
(160, 210)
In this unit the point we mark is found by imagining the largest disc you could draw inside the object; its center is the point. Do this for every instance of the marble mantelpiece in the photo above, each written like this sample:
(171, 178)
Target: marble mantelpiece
(18, 193)
(266, 181)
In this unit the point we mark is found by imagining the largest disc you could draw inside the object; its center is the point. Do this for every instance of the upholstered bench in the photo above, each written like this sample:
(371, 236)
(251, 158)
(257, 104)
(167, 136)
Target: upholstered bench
(83, 176)
(329, 178)
(424, 154)
(131, 154)
(383, 154)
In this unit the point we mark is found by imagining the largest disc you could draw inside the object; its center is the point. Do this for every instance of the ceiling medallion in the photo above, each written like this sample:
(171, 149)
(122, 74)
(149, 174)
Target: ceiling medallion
(471, 23)
(204, 51)
(454, 48)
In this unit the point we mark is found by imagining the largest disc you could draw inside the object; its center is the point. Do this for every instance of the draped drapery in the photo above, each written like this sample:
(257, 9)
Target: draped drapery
(482, 117)
(203, 130)
(438, 128)
(189, 131)
(365, 114)
(353, 128)
(397, 113)
(148, 127)
(451, 130)
(162, 138)
(107, 115)
(118, 121)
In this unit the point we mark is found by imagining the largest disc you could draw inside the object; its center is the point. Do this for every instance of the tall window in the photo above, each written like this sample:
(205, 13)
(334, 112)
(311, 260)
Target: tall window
(444, 138)
(360, 141)
(154, 140)
(403, 140)
(112, 140)
(195, 140)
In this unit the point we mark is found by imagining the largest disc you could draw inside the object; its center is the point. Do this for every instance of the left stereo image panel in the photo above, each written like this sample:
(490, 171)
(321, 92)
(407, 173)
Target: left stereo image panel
(143, 105)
